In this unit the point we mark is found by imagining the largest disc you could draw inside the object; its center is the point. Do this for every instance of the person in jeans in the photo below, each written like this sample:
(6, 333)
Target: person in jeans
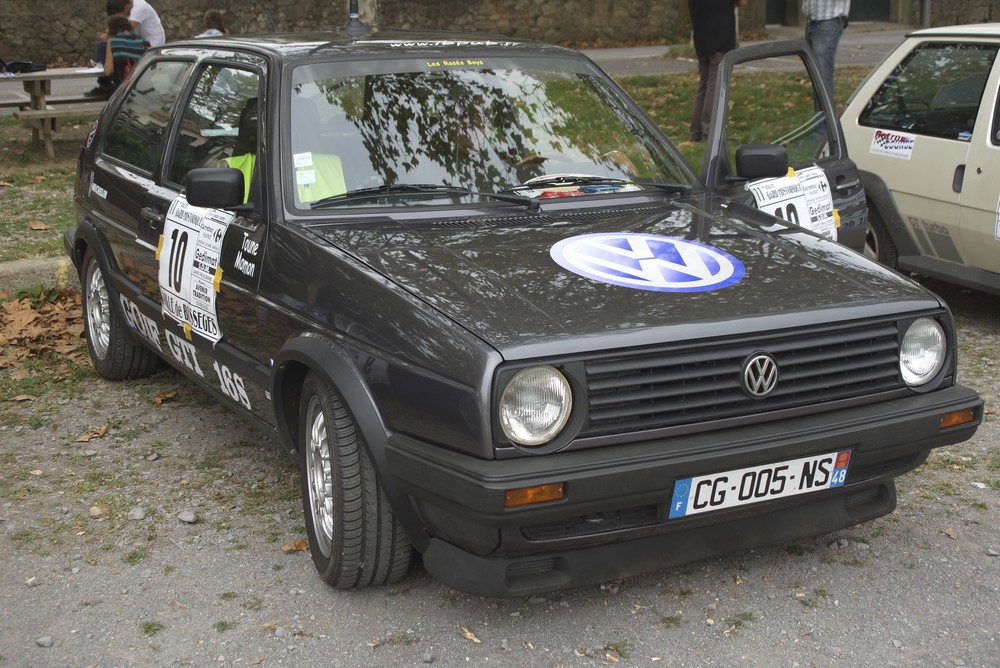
(825, 23)
(713, 23)
(125, 47)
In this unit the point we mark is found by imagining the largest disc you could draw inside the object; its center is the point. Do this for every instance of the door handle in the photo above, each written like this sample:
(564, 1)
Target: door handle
(154, 217)
(956, 181)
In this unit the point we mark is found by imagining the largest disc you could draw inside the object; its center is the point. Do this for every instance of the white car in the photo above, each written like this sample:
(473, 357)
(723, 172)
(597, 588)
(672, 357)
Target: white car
(924, 130)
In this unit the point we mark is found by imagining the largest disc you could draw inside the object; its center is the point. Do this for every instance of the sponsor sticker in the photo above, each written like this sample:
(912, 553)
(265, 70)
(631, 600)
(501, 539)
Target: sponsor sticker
(803, 198)
(893, 144)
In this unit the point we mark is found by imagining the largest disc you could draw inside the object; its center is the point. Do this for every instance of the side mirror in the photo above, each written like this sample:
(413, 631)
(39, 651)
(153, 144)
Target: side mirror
(214, 187)
(760, 161)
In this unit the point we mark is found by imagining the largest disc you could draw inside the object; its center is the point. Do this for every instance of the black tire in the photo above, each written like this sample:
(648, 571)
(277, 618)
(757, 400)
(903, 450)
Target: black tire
(354, 537)
(879, 246)
(115, 354)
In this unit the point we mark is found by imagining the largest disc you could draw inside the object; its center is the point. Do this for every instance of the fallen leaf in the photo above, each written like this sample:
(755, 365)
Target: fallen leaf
(164, 396)
(950, 533)
(37, 225)
(22, 397)
(612, 658)
(257, 661)
(710, 621)
(469, 635)
(297, 545)
(96, 432)
(737, 579)
(729, 630)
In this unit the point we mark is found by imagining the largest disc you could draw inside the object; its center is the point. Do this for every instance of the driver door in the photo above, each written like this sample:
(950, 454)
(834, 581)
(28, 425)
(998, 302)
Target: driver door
(772, 106)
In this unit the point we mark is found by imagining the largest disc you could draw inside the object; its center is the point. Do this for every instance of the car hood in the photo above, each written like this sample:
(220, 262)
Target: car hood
(516, 281)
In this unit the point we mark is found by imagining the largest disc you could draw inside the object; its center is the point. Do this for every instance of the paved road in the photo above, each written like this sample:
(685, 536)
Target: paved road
(863, 45)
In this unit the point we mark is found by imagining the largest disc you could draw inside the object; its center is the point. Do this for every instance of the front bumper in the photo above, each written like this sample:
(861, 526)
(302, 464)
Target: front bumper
(612, 521)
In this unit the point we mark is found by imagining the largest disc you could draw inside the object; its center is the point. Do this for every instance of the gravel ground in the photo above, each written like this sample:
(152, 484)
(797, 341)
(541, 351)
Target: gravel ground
(169, 539)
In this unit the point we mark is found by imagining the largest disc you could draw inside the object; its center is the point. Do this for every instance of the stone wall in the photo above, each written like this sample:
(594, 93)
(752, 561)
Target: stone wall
(954, 12)
(51, 31)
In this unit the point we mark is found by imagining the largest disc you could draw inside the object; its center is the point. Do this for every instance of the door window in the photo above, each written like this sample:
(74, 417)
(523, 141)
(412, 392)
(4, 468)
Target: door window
(219, 126)
(136, 134)
(935, 91)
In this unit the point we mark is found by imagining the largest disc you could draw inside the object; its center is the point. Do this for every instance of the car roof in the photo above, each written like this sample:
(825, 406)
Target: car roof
(972, 30)
(378, 42)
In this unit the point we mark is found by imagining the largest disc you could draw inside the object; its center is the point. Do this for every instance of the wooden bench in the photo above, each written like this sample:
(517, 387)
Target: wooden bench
(44, 122)
(22, 103)
(73, 99)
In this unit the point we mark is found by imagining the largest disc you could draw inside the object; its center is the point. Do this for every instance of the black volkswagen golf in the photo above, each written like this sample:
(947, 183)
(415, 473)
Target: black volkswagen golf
(492, 313)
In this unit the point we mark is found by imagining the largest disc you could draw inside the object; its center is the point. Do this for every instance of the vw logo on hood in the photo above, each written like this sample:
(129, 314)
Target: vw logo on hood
(760, 375)
(648, 262)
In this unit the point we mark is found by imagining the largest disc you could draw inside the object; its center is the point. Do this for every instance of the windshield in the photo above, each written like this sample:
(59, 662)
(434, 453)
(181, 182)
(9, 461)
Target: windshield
(486, 126)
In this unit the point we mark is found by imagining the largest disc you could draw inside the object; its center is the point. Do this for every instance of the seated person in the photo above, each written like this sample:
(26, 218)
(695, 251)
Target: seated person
(124, 49)
(244, 156)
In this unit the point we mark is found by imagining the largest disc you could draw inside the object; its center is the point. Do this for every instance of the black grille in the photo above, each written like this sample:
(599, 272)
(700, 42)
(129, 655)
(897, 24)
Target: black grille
(696, 384)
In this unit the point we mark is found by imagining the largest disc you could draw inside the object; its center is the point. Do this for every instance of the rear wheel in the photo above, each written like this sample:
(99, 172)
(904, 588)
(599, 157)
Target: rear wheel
(354, 536)
(115, 353)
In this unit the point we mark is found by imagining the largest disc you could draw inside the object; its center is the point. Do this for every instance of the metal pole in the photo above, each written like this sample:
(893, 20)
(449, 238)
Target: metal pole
(927, 13)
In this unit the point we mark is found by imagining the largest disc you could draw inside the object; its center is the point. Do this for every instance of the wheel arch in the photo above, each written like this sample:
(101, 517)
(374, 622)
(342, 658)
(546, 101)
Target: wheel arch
(312, 352)
(880, 198)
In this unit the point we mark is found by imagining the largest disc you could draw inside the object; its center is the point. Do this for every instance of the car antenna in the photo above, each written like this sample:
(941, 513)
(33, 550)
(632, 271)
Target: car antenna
(354, 27)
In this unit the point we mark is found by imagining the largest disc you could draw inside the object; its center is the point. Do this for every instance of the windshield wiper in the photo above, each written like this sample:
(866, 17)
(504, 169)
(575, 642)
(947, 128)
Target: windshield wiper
(386, 189)
(568, 180)
(432, 189)
(557, 180)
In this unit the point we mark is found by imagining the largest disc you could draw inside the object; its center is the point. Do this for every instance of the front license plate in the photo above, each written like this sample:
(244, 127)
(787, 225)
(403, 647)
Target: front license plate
(741, 487)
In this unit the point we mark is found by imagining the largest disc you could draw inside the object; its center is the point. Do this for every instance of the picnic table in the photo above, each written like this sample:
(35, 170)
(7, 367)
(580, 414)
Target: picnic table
(43, 111)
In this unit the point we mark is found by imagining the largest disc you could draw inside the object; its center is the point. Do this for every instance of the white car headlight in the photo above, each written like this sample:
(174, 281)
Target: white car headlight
(923, 351)
(535, 405)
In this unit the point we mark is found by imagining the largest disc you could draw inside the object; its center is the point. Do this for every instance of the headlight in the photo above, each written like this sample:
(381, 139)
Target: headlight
(923, 351)
(535, 405)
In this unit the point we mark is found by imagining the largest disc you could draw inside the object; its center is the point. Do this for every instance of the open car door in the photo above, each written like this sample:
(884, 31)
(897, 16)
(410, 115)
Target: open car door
(782, 148)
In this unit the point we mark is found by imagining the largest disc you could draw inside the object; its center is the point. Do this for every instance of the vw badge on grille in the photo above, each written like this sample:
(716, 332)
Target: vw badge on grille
(760, 375)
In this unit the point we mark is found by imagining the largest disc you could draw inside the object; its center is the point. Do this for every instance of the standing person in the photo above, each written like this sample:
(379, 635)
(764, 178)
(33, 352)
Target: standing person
(714, 25)
(825, 23)
(146, 23)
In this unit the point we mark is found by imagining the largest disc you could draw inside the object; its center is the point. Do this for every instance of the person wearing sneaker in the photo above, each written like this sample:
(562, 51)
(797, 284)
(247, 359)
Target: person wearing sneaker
(105, 83)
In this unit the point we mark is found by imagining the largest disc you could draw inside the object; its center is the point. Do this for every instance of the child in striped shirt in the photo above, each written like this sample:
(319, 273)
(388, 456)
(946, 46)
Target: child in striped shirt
(125, 47)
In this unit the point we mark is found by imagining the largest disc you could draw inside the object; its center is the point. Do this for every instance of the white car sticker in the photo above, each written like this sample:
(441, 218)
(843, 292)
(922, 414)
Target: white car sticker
(893, 144)
(802, 197)
(303, 159)
(189, 272)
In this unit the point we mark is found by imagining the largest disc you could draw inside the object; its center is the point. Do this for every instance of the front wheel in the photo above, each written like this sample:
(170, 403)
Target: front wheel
(879, 245)
(354, 536)
(115, 354)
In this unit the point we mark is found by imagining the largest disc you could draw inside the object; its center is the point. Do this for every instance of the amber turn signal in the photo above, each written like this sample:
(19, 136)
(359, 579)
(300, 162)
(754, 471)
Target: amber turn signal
(956, 418)
(529, 495)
